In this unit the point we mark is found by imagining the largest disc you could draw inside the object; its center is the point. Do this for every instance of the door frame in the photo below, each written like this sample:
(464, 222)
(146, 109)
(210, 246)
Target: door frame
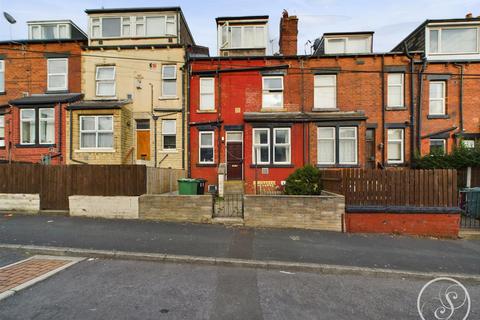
(226, 151)
(149, 140)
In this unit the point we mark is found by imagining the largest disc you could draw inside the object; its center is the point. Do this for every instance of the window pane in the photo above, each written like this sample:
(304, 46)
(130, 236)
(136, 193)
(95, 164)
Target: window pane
(436, 90)
(171, 26)
(395, 94)
(139, 29)
(206, 85)
(207, 102)
(106, 88)
(273, 100)
(437, 146)
(326, 133)
(206, 140)
(347, 150)
(325, 80)
(272, 83)
(261, 137)
(47, 131)
(395, 78)
(358, 45)
(248, 33)
(335, 46)
(88, 140)
(105, 73)
(46, 113)
(394, 151)
(169, 142)
(155, 26)
(262, 155)
(62, 31)
(169, 87)
(459, 40)
(57, 66)
(434, 41)
(126, 30)
(105, 123)
(28, 131)
(111, 27)
(95, 31)
(169, 72)
(347, 133)
(325, 97)
(326, 151)
(236, 37)
(2, 76)
(56, 81)
(168, 127)
(281, 154)
(88, 123)
(105, 140)
(259, 37)
(282, 136)
(206, 155)
(395, 134)
(36, 32)
(28, 114)
(436, 107)
(48, 32)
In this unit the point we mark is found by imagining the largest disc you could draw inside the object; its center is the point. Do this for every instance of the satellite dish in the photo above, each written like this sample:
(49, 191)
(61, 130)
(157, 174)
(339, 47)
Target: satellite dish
(9, 18)
(316, 44)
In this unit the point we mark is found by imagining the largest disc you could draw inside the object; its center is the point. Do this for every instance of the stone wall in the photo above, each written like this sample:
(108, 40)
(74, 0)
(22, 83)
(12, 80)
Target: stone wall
(323, 212)
(104, 207)
(20, 202)
(197, 208)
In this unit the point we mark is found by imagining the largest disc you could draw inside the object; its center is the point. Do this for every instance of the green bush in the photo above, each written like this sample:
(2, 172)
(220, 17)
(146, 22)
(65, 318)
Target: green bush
(304, 181)
(459, 158)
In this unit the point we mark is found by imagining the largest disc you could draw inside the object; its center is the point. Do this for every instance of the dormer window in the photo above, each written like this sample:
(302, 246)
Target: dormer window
(134, 26)
(350, 44)
(49, 31)
(237, 37)
(453, 40)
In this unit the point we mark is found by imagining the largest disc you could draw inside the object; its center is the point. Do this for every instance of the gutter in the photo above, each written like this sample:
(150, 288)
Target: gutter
(217, 71)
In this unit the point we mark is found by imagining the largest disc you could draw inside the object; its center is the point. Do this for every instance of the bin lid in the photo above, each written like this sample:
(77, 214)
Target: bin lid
(201, 180)
(187, 180)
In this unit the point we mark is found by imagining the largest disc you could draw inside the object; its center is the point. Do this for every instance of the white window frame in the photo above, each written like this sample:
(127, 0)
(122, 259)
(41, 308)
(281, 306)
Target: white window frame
(267, 91)
(97, 131)
(169, 134)
(259, 145)
(202, 105)
(439, 40)
(35, 130)
(133, 22)
(402, 90)
(444, 142)
(402, 146)
(355, 129)
(65, 75)
(228, 43)
(442, 99)
(56, 31)
(334, 138)
(368, 39)
(468, 143)
(2, 71)
(40, 120)
(97, 81)
(316, 85)
(2, 136)
(200, 147)
(171, 79)
(289, 145)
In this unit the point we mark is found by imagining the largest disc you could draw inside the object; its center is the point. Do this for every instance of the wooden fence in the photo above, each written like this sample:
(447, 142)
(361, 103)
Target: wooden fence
(474, 177)
(161, 180)
(56, 183)
(403, 187)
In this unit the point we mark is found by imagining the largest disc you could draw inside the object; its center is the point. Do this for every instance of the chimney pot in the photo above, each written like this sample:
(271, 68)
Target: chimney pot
(469, 15)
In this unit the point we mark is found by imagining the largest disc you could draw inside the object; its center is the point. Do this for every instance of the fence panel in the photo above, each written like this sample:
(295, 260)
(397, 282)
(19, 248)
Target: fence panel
(160, 180)
(402, 187)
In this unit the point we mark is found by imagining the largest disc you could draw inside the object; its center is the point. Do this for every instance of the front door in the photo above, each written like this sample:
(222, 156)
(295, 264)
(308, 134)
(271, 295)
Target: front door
(370, 148)
(143, 140)
(234, 155)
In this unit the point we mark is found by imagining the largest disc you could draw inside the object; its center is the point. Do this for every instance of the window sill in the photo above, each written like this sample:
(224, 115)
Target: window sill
(169, 151)
(169, 98)
(403, 108)
(206, 165)
(36, 145)
(106, 98)
(440, 116)
(336, 165)
(325, 109)
(206, 111)
(271, 109)
(400, 164)
(95, 151)
(2, 93)
(259, 166)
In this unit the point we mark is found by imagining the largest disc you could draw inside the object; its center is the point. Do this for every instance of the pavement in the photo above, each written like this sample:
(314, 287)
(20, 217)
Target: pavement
(116, 289)
(214, 241)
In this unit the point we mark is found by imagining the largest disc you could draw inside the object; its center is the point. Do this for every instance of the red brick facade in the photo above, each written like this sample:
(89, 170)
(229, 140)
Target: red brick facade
(26, 74)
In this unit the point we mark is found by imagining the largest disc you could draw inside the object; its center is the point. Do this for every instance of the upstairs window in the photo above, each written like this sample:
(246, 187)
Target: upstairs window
(344, 45)
(57, 74)
(242, 37)
(169, 81)
(49, 31)
(453, 40)
(437, 98)
(134, 26)
(207, 94)
(2, 76)
(325, 91)
(2, 131)
(395, 90)
(169, 134)
(272, 97)
(111, 27)
(105, 81)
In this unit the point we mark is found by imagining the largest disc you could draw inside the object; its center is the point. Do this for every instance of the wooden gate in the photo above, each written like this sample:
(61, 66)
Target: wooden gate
(55, 188)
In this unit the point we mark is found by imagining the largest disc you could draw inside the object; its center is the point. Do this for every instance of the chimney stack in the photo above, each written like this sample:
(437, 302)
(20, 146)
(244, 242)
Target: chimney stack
(288, 34)
(469, 15)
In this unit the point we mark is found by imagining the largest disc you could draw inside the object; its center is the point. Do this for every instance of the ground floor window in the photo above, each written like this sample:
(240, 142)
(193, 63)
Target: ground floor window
(2, 131)
(261, 146)
(468, 143)
(281, 146)
(96, 132)
(395, 147)
(206, 149)
(41, 119)
(438, 146)
(169, 134)
(337, 145)
(272, 141)
(47, 126)
(28, 126)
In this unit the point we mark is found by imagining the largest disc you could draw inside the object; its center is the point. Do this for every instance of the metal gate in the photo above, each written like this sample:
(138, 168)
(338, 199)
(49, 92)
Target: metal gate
(228, 206)
(470, 205)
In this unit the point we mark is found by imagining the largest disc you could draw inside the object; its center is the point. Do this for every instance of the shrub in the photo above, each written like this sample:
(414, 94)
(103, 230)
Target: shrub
(304, 181)
(460, 157)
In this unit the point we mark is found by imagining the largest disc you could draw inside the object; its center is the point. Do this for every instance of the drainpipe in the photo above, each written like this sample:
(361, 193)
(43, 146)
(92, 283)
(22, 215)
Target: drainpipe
(412, 103)
(383, 111)
(60, 131)
(302, 93)
(219, 116)
(460, 106)
(189, 170)
(420, 103)
(184, 76)
(155, 118)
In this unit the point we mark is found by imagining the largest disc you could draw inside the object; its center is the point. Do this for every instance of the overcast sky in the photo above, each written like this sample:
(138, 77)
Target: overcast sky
(391, 20)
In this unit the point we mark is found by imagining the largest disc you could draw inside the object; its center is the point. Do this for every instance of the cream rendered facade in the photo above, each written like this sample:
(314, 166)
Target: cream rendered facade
(141, 64)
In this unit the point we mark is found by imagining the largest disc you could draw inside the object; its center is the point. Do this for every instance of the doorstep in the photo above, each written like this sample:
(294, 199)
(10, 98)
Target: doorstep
(469, 234)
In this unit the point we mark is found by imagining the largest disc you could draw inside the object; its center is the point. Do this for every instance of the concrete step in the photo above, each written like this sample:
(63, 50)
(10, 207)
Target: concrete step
(469, 234)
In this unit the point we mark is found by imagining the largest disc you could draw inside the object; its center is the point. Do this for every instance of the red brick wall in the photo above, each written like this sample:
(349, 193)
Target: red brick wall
(418, 224)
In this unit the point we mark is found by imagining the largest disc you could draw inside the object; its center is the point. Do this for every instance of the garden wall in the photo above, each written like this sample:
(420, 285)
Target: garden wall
(20, 202)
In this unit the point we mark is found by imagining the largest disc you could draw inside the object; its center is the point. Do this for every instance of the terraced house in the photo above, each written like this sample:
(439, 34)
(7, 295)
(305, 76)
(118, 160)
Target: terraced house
(39, 76)
(255, 117)
(134, 81)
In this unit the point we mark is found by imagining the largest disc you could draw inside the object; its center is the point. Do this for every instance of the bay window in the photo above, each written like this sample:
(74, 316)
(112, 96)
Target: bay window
(27, 126)
(261, 146)
(437, 98)
(206, 147)
(207, 94)
(96, 132)
(2, 131)
(57, 74)
(453, 40)
(343, 45)
(47, 125)
(272, 97)
(395, 90)
(395, 146)
(105, 81)
(169, 134)
(325, 91)
(337, 145)
(169, 81)
(281, 146)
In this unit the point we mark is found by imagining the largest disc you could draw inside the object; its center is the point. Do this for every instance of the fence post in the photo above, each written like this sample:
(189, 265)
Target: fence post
(469, 177)
(170, 172)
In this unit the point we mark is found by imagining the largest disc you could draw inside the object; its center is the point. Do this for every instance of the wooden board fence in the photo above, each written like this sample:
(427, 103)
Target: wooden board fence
(403, 187)
(161, 180)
